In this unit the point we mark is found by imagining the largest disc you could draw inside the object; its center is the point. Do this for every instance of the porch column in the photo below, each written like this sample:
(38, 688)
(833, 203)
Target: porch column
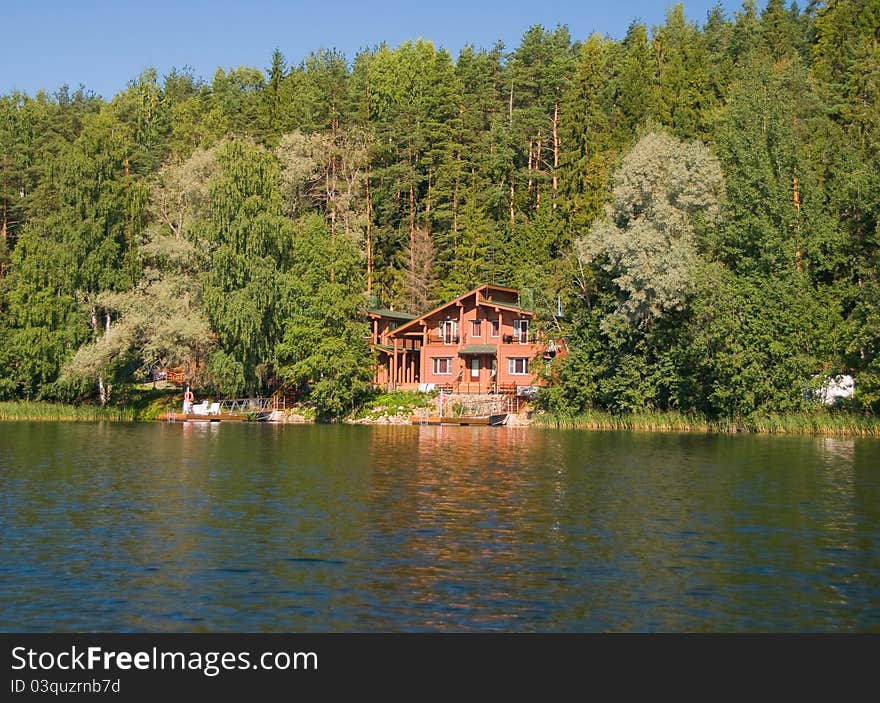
(423, 371)
(461, 360)
(394, 366)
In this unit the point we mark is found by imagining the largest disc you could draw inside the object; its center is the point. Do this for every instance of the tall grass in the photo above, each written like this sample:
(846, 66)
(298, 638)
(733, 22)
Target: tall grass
(817, 423)
(25, 410)
(131, 407)
(670, 421)
(848, 424)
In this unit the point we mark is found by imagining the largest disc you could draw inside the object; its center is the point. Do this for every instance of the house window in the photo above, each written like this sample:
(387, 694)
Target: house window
(521, 331)
(476, 328)
(442, 365)
(518, 366)
(449, 331)
(493, 328)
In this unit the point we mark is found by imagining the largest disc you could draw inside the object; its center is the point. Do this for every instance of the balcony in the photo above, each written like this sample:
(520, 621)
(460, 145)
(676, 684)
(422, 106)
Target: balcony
(531, 338)
(443, 339)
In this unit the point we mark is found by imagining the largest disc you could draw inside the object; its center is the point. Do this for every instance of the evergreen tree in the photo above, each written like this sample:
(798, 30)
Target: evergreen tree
(684, 94)
(590, 145)
(84, 245)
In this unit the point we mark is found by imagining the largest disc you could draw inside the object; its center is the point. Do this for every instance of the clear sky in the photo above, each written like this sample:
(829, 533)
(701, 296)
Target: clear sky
(103, 44)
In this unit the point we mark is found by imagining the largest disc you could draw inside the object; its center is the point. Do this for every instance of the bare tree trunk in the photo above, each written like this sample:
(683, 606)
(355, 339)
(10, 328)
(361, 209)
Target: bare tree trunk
(369, 236)
(428, 198)
(3, 237)
(510, 108)
(455, 201)
(93, 323)
(796, 197)
(529, 185)
(412, 220)
(537, 170)
(331, 195)
(555, 150)
(511, 201)
(4, 226)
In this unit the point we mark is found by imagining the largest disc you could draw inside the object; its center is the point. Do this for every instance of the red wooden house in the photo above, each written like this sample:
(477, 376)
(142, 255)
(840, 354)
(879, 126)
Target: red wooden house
(481, 342)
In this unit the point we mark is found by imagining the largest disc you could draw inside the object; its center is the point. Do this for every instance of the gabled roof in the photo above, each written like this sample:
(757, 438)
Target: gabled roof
(485, 287)
(506, 306)
(390, 314)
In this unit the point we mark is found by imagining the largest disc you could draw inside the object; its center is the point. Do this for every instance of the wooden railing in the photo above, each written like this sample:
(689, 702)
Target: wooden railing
(242, 406)
(442, 339)
(484, 406)
(176, 375)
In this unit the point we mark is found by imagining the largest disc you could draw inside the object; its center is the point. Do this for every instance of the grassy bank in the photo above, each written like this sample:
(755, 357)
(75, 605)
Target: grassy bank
(383, 407)
(132, 407)
(818, 423)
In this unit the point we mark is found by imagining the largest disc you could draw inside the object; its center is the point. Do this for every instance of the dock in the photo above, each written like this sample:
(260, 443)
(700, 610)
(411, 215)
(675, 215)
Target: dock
(228, 410)
(198, 417)
(490, 420)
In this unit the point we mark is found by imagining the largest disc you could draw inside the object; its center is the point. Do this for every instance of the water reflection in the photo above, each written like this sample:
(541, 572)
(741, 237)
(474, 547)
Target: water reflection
(220, 527)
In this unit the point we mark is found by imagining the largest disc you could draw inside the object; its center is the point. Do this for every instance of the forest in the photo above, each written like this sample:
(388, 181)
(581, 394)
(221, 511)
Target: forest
(700, 201)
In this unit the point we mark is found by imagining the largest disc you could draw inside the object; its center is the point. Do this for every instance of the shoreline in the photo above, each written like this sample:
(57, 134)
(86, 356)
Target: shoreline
(804, 424)
(819, 424)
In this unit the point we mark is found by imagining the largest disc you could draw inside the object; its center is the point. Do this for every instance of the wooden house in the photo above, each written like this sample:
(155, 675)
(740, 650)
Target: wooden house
(481, 342)
(383, 321)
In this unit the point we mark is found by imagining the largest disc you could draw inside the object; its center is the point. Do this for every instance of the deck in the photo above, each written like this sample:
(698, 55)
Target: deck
(491, 420)
(229, 410)
(198, 417)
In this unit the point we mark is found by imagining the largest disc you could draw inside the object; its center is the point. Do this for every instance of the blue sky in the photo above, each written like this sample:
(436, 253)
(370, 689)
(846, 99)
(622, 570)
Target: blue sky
(104, 44)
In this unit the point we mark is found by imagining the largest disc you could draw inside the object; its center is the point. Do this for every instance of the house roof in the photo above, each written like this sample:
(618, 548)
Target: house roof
(391, 314)
(507, 306)
(478, 349)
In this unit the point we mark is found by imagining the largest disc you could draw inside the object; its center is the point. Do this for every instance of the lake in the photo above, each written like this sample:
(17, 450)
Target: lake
(303, 528)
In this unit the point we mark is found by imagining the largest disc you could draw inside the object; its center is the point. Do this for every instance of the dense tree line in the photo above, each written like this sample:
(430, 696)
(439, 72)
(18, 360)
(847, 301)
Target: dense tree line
(702, 201)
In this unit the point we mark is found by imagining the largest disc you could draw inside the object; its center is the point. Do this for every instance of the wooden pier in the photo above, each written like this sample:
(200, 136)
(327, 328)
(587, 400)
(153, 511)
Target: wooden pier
(230, 410)
(198, 417)
(491, 420)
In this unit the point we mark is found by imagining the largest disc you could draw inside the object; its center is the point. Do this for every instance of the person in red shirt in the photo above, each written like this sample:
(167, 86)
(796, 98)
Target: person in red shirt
(187, 400)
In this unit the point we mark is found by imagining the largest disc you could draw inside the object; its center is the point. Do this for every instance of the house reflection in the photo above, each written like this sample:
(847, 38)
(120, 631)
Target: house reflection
(465, 505)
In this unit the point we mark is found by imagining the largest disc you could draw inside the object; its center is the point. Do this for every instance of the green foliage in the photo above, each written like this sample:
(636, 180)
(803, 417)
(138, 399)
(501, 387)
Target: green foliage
(684, 96)
(82, 244)
(226, 373)
(233, 226)
(762, 136)
(753, 344)
(589, 138)
(251, 247)
(666, 198)
(324, 345)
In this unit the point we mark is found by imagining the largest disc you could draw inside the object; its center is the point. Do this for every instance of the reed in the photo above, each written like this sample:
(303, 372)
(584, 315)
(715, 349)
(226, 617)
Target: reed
(842, 424)
(131, 407)
(653, 421)
(818, 423)
(35, 411)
